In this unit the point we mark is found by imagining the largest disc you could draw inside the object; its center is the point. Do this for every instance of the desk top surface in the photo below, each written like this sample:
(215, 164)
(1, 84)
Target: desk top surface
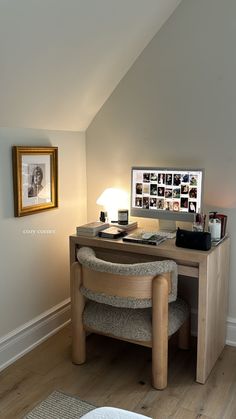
(166, 249)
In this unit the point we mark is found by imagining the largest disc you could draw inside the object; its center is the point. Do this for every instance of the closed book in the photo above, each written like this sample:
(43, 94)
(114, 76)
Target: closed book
(91, 229)
(112, 233)
(126, 227)
(152, 239)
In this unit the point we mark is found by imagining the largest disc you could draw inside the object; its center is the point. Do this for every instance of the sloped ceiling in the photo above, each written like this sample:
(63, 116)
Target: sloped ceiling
(61, 59)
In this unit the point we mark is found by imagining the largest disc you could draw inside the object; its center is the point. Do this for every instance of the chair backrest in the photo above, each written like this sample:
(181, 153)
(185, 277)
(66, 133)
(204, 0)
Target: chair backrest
(123, 285)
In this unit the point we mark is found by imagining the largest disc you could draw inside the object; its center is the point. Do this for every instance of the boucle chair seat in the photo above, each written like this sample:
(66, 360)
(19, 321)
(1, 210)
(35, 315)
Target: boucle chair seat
(131, 324)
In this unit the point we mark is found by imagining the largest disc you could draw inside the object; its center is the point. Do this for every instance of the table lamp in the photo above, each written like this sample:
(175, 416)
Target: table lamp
(112, 199)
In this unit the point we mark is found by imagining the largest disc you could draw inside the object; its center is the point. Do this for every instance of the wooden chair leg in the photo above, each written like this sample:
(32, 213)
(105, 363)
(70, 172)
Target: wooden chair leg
(77, 307)
(160, 332)
(184, 335)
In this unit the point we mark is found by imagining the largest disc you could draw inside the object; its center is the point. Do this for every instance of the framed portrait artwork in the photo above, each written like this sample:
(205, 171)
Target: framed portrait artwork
(35, 179)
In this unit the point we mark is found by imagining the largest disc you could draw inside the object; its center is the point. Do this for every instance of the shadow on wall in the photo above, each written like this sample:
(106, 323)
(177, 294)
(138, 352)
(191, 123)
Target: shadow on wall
(8, 138)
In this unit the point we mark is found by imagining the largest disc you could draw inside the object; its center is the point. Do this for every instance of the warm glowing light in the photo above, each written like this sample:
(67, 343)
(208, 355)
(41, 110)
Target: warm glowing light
(113, 199)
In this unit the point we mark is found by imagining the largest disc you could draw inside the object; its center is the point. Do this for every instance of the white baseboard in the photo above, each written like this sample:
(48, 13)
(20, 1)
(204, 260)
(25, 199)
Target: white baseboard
(231, 331)
(23, 339)
(230, 328)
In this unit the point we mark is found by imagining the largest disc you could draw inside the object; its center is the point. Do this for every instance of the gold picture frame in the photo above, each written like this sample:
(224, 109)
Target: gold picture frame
(35, 179)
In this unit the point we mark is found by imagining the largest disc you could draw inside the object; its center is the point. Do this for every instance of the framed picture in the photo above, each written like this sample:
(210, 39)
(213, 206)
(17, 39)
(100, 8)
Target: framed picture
(35, 178)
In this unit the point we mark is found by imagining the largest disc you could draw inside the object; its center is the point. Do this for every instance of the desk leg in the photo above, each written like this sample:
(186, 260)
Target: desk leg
(212, 309)
(77, 307)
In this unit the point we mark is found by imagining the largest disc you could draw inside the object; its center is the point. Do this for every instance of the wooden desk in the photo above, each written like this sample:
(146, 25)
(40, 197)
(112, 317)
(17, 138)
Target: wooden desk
(211, 269)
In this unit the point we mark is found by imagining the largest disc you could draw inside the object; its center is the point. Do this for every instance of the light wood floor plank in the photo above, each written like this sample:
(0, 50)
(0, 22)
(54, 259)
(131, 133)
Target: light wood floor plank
(213, 397)
(187, 414)
(119, 374)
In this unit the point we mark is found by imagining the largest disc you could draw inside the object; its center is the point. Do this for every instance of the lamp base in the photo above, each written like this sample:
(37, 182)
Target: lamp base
(103, 216)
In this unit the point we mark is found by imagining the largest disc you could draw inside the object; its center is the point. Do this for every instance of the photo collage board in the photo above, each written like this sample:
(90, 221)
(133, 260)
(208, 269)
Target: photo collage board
(167, 190)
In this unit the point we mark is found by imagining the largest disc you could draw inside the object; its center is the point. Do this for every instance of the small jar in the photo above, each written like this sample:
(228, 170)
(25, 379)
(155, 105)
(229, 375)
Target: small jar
(123, 216)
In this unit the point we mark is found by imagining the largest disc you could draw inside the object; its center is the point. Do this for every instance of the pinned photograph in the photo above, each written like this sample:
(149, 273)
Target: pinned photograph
(139, 202)
(161, 178)
(160, 191)
(192, 206)
(153, 177)
(193, 180)
(168, 179)
(176, 206)
(193, 193)
(146, 188)
(184, 203)
(153, 203)
(146, 203)
(160, 204)
(139, 188)
(177, 179)
(146, 177)
(176, 193)
(184, 189)
(153, 189)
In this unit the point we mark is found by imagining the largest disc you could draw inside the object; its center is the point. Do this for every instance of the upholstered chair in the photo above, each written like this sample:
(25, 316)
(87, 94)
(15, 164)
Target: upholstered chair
(132, 302)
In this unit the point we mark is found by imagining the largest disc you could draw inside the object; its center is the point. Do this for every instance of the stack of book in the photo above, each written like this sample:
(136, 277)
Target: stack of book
(126, 227)
(91, 229)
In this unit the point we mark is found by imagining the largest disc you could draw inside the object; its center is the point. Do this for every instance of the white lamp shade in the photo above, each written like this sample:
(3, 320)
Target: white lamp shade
(113, 198)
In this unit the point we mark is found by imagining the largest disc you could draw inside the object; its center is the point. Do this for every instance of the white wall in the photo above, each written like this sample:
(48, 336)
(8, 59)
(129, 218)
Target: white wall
(176, 107)
(34, 275)
(60, 59)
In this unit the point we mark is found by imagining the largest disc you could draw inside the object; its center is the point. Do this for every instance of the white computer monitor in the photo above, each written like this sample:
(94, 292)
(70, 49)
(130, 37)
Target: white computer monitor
(166, 193)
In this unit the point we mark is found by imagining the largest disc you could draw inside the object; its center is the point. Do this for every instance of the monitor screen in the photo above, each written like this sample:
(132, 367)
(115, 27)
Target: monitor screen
(168, 193)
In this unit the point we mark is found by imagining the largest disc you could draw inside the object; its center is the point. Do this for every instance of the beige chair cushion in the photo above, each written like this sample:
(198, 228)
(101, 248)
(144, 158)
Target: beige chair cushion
(133, 324)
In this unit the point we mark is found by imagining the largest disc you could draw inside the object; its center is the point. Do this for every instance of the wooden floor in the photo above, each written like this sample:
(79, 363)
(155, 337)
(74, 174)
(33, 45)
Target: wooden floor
(118, 374)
